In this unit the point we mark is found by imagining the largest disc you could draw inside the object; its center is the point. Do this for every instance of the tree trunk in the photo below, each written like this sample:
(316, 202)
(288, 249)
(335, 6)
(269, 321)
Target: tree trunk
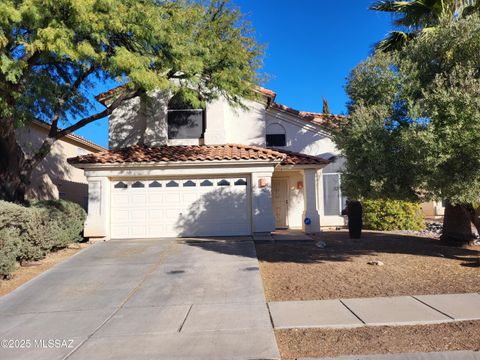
(14, 171)
(457, 225)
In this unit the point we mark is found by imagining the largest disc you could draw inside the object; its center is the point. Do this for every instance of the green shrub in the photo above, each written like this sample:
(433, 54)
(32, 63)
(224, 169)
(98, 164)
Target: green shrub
(65, 221)
(29, 233)
(386, 215)
(9, 249)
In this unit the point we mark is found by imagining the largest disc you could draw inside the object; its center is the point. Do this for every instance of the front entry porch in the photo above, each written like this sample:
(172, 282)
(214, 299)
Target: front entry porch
(290, 235)
(295, 199)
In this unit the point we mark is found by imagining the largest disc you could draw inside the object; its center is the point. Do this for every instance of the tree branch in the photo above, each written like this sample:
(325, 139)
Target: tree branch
(82, 77)
(81, 123)
(62, 73)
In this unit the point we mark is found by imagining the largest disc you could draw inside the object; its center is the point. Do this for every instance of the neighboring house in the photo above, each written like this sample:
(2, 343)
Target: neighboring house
(55, 178)
(433, 209)
(223, 171)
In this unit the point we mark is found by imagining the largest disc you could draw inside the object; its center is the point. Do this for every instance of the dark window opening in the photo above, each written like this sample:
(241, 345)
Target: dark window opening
(223, 183)
(206, 183)
(120, 185)
(155, 184)
(240, 182)
(184, 120)
(276, 140)
(172, 184)
(138, 185)
(189, 183)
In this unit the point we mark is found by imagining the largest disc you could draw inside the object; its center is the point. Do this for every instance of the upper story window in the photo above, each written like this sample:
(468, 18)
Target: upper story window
(184, 120)
(276, 135)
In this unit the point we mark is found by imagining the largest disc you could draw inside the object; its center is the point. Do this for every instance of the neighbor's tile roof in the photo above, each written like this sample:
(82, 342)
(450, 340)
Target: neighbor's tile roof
(139, 154)
(327, 120)
(71, 136)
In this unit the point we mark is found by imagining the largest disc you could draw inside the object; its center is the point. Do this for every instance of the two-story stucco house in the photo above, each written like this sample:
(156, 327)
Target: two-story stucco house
(55, 178)
(219, 171)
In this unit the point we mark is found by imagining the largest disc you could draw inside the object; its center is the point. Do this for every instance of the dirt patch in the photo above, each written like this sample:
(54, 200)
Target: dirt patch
(24, 274)
(379, 340)
(412, 266)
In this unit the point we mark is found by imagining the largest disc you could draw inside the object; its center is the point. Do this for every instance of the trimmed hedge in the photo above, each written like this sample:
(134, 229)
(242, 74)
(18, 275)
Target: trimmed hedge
(29, 233)
(386, 215)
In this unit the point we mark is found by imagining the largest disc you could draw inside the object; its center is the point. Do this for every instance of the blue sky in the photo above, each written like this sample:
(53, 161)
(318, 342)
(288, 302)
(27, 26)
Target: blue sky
(311, 47)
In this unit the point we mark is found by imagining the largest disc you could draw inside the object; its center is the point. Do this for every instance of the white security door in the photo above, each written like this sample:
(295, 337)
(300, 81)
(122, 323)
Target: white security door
(280, 202)
(180, 207)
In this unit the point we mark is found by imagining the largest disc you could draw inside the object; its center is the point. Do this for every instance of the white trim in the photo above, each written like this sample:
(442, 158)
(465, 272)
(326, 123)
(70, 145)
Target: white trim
(183, 164)
(299, 167)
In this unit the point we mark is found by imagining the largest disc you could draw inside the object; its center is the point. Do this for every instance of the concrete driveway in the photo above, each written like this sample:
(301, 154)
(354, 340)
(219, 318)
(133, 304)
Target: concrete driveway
(143, 299)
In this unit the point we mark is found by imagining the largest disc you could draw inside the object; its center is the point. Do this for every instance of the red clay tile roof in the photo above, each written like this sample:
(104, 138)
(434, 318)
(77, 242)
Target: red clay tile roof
(139, 154)
(293, 158)
(103, 97)
(328, 120)
(271, 94)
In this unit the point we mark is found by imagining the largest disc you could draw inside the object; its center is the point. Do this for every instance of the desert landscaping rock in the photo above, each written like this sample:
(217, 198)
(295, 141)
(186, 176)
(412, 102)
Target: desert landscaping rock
(376, 263)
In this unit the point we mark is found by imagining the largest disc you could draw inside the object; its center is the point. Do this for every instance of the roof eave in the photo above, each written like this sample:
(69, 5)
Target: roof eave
(177, 164)
(301, 167)
(72, 137)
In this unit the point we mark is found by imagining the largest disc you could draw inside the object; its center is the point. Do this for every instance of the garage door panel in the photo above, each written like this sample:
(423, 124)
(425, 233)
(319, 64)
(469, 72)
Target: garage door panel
(165, 208)
(120, 199)
(120, 232)
(155, 198)
(190, 198)
(138, 215)
(138, 231)
(171, 214)
(156, 214)
(138, 199)
(121, 215)
(171, 197)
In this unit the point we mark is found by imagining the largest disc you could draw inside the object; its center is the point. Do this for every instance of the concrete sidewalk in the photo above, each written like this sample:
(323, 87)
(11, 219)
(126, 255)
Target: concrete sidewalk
(392, 311)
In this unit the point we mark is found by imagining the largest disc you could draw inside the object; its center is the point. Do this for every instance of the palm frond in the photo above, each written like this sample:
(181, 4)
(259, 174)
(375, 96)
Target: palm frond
(395, 40)
(389, 5)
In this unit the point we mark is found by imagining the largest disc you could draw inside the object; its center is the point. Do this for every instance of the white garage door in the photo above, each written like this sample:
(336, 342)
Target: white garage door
(180, 207)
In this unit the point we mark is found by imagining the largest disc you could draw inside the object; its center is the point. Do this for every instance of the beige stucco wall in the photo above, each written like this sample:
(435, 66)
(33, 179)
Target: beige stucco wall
(144, 121)
(245, 126)
(302, 136)
(54, 178)
(432, 209)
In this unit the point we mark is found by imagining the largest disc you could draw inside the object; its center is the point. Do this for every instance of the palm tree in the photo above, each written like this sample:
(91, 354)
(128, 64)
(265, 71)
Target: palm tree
(413, 17)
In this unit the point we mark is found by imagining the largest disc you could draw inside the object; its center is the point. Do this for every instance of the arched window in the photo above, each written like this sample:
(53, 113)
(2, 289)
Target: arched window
(185, 121)
(276, 135)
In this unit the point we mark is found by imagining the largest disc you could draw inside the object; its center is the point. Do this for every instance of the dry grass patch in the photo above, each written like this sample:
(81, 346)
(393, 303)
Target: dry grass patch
(413, 266)
(379, 340)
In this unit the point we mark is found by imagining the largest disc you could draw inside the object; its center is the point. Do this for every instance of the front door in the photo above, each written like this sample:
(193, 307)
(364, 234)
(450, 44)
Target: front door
(280, 202)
